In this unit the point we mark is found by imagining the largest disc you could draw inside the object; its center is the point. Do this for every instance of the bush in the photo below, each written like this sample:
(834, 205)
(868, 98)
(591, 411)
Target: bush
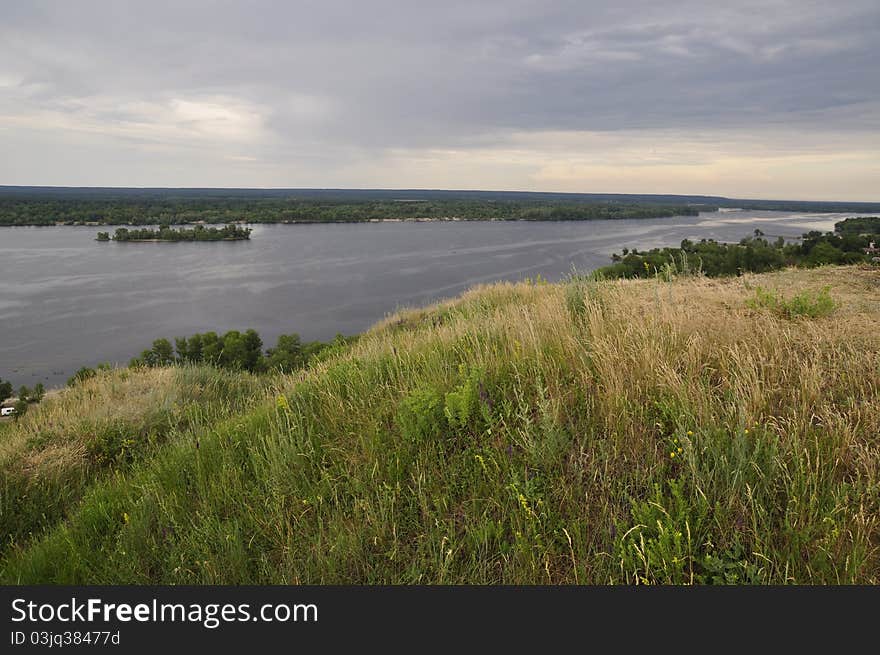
(82, 374)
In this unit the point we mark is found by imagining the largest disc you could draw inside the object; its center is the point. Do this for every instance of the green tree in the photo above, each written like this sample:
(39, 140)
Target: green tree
(189, 350)
(39, 392)
(253, 345)
(21, 408)
(287, 355)
(163, 353)
(235, 352)
(5, 390)
(212, 347)
(824, 253)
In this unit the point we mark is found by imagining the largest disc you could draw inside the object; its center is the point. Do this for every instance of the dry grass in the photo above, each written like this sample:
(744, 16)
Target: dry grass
(56, 425)
(74, 437)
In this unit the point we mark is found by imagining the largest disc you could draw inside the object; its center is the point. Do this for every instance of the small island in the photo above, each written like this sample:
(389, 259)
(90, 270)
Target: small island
(167, 233)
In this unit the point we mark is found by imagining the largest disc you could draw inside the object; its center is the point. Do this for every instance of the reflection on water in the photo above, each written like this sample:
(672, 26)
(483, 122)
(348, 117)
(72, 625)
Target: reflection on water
(67, 300)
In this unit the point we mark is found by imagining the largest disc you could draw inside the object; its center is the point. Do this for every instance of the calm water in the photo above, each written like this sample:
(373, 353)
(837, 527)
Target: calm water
(68, 301)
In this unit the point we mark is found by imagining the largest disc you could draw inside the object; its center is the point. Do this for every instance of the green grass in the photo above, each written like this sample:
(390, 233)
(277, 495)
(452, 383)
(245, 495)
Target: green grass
(812, 304)
(591, 432)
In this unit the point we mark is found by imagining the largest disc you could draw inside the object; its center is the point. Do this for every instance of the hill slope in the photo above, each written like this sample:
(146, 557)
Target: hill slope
(631, 431)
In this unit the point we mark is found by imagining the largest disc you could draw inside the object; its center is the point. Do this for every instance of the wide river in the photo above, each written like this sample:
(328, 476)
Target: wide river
(68, 301)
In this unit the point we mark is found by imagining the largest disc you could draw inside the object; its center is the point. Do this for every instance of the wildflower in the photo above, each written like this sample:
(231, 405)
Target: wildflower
(672, 454)
(282, 404)
(690, 433)
(747, 431)
(125, 517)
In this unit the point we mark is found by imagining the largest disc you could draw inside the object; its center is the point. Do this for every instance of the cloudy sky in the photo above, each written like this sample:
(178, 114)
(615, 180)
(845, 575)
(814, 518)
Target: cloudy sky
(773, 98)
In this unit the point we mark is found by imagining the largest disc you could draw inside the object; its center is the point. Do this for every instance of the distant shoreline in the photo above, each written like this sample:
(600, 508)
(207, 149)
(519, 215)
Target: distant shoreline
(453, 219)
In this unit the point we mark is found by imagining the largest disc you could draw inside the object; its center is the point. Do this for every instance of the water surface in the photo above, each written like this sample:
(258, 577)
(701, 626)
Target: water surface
(67, 300)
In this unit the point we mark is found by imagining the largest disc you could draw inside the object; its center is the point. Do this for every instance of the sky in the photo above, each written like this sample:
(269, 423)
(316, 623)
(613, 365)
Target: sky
(767, 99)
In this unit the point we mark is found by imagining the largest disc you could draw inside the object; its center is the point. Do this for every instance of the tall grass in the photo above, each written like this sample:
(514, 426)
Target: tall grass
(654, 431)
(102, 427)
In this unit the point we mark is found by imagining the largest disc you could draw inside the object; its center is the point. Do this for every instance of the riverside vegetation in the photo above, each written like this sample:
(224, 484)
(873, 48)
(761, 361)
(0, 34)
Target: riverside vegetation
(165, 207)
(120, 206)
(850, 243)
(237, 351)
(23, 398)
(168, 233)
(677, 429)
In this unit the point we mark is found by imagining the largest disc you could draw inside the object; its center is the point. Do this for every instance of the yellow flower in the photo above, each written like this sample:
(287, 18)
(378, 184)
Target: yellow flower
(747, 430)
(125, 516)
(672, 454)
(282, 404)
(690, 434)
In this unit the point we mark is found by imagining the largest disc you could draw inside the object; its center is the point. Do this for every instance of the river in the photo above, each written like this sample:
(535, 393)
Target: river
(68, 301)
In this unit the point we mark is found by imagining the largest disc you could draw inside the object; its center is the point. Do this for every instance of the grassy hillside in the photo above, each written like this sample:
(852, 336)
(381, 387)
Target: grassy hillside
(692, 430)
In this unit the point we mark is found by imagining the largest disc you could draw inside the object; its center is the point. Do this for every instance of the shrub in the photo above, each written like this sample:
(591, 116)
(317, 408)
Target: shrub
(112, 444)
(463, 408)
(82, 374)
(421, 415)
(21, 408)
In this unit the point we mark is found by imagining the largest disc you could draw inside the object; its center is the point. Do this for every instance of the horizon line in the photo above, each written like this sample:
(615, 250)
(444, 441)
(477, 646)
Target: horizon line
(427, 189)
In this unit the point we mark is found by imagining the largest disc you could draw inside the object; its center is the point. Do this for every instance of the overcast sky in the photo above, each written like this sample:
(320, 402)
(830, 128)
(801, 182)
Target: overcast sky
(774, 99)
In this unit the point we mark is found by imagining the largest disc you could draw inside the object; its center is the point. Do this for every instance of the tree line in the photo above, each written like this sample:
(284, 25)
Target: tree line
(869, 225)
(848, 244)
(168, 233)
(235, 350)
(119, 210)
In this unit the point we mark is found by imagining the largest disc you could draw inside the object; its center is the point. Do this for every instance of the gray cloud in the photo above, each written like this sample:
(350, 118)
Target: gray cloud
(301, 90)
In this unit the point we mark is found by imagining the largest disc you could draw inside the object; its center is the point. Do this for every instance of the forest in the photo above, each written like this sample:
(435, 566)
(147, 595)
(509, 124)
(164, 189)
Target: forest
(21, 205)
(848, 244)
(152, 210)
(859, 225)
